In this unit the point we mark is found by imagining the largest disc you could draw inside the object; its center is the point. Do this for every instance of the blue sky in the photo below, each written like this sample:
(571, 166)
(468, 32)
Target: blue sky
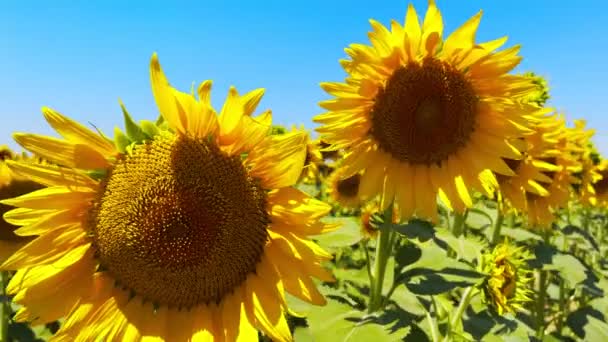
(79, 57)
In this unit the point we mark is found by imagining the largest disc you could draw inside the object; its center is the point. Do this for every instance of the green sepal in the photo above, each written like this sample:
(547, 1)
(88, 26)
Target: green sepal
(134, 132)
(97, 174)
(149, 128)
(160, 120)
(121, 141)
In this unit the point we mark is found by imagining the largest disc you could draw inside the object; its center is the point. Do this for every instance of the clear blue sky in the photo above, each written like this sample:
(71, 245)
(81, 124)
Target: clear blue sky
(79, 57)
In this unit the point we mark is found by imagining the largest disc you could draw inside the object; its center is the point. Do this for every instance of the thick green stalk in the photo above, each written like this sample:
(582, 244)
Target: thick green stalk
(383, 253)
(467, 295)
(458, 223)
(562, 307)
(497, 227)
(435, 335)
(540, 303)
(4, 307)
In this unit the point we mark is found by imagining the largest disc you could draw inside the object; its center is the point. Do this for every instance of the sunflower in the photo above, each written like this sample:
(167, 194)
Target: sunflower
(533, 173)
(420, 116)
(368, 230)
(590, 176)
(310, 173)
(509, 279)
(600, 186)
(541, 208)
(11, 185)
(344, 191)
(192, 232)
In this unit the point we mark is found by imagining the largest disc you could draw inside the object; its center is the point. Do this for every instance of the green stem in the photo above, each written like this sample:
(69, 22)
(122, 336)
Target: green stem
(433, 322)
(4, 307)
(562, 307)
(497, 227)
(367, 262)
(458, 223)
(467, 295)
(540, 303)
(383, 253)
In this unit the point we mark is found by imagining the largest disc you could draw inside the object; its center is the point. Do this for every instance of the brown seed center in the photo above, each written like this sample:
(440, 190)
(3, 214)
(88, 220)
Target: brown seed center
(425, 113)
(178, 222)
(349, 187)
(601, 186)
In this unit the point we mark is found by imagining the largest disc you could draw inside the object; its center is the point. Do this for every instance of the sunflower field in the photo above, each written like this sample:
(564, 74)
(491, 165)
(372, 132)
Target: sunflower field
(436, 197)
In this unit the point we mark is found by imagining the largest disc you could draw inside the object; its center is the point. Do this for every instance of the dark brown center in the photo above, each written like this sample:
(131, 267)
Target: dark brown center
(349, 187)
(179, 222)
(425, 113)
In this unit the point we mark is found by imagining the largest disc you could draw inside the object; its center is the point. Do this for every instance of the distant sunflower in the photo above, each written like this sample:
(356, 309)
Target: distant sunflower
(310, 172)
(188, 233)
(368, 230)
(420, 116)
(541, 208)
(11, 185)
(344, 191)
(590, 176)
(509, 278)
(534, 172)
(601, 185)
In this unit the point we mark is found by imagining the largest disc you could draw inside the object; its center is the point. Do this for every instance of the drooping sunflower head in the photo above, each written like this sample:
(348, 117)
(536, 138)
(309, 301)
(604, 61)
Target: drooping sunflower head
(344, 191)
(509, 278)
(12, 185)
(187, 230)
(420, 116)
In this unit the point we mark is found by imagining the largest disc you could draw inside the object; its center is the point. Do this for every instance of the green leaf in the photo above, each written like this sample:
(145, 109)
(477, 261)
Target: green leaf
(348, 234)
(520, 235)
(340, 322)
(478, 218)
(414, 229)
(569, 268)
(436, 273)
(466, 247)
(309, 189)
(407, 254)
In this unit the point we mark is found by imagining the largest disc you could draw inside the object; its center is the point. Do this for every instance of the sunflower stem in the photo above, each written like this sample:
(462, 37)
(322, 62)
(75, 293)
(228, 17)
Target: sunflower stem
(562, 307)
(4, 307)
(435, 335)
(383, 253)
(467, 295)
(458, 223)
(497, 227)
(367, 262)
(540, 303)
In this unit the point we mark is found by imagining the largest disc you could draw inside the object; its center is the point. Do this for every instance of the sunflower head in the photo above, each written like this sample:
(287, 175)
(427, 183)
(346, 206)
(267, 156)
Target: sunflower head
(535, 172)
(600, 185)
(509, 278)
(12, 185)
(344, 190)
(368, 228)
(420, 116)
(188, 228)
(310, 173)
(540, 95)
